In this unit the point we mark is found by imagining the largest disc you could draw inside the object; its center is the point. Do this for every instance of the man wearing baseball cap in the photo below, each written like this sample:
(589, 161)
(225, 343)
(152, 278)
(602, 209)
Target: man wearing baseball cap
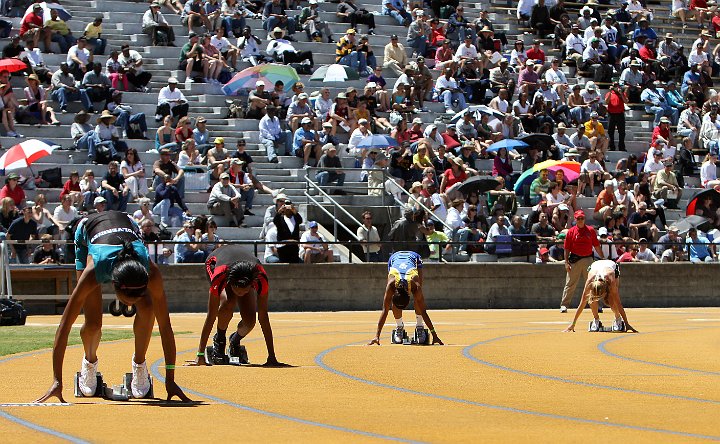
(305, 142)
(171, 101)
(347, 53)
(258, 100)
(580, 242)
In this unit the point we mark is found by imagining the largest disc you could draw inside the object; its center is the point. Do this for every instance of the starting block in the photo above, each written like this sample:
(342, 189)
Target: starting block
(421, 337)
(598, 327)
(121, 392)
(226, 359)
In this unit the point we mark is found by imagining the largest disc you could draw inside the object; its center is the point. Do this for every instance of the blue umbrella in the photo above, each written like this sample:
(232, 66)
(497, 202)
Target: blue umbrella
(377, 141)
(508, 144)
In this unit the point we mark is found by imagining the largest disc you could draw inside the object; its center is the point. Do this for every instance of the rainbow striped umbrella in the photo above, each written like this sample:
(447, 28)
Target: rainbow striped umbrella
(570, 168)
(268, 73)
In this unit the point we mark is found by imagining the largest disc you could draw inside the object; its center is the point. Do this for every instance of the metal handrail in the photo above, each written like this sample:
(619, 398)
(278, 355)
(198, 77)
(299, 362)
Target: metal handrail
(310, 184)
(387, 176)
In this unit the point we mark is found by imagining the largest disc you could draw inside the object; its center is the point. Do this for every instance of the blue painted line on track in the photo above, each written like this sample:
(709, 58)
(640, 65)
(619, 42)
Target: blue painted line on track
(155, 366)
(319, 359)
(467, 354)
(603, 348)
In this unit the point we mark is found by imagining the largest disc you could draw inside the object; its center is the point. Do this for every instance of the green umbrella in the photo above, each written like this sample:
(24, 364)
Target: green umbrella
(334, 73)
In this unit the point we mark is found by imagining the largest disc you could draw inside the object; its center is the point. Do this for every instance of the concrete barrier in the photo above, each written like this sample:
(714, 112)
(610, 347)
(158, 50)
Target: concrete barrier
(335, 287)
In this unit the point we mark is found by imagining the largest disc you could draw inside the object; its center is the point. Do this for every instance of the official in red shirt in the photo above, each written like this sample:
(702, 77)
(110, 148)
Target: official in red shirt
(579, 244)
(615, 103)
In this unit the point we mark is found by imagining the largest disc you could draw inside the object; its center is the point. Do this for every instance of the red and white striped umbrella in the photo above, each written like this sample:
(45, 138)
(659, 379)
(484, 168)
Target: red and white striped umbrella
(25, 153)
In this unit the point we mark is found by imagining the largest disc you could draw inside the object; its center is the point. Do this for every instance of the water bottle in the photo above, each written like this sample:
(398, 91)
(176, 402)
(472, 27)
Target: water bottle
(70, 159)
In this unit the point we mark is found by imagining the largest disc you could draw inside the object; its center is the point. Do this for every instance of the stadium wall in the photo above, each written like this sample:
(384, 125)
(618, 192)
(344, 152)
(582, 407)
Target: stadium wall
(336, 287)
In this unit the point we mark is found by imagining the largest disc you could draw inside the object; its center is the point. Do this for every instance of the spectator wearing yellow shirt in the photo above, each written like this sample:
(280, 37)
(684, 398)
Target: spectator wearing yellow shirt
(421, 159)
(595, 131)
(93, 34)
(58, 32)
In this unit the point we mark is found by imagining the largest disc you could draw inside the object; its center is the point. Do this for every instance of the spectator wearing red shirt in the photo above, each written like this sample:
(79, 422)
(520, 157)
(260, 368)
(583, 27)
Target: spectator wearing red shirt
(11, 189)
(579, 244)
(647, 53)
(450, 137)
(72, 188)
(629, 256)
(453, 177)
(415, 132)
(31, 28)
(535, 53)
(702, 12)
(716, 22)
(661, 133)
(605, 202)
(615, 104)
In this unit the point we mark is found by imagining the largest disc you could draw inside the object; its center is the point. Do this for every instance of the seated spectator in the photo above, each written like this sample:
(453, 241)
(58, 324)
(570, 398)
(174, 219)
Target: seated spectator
(447, 90)
(107, 144)
(708, 171)
(22, 228)
(368, 234)
(72, 188)
(56, 30)
(591, 172)
(131, 125)
(89, 189)
(347, 11)
(348, 53)
(630, 255)
(188, 252)
(164, 168)
(8, 213)
(47, 253)
(305, 142)
(301, 110)
(225, 200)
(396, 9)
(115, 190)
(133, 70)
(644, 253)
(210, 235)
(218, 159)
(144, 212)
(539, 187)
(37, 104)
(133, 171)
(666, 186)
(543, 230)
(155, 25)
(194, 15)
(13, 190)
(276, 140)
(315, 248)
(93, 34)
(499, 228)
(641, 224)
(274, 16)
(171, 101)
(243, 182)
(65, 89)
(699, 248)
(328, 171)
(605, 203)
(79, 58)
(166, 196)
(32, 27)
(473, 232)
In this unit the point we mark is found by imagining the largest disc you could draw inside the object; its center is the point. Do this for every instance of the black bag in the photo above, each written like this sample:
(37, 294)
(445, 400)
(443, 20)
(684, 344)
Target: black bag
(51, 178)
(102, 155)
(12, 312)
(302, 69)
(134, 132)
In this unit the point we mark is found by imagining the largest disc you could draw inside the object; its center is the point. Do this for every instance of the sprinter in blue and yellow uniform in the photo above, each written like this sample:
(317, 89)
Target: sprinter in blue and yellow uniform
(405, 276)
(109, 248)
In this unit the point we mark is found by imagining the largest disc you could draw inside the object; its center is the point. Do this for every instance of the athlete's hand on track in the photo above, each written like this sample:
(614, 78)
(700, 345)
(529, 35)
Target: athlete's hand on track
(55, 390)
(200, 360)
(174, 390)
(629, 328)
(569, 329)
(375, 341)
(437, 340)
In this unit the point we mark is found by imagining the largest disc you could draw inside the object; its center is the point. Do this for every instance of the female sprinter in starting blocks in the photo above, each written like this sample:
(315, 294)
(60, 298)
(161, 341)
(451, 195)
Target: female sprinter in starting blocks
(603, 283)
(236, 277)
(109, 248)
(405, 276)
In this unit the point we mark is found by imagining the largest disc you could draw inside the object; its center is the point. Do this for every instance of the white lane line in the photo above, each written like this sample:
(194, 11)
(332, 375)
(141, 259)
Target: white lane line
(35, 404)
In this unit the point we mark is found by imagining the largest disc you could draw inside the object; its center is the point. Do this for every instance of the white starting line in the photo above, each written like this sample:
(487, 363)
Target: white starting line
(36, 404)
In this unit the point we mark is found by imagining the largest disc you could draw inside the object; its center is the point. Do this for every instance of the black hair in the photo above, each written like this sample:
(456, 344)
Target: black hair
(401, 298)
(129, 275)
(242, 274)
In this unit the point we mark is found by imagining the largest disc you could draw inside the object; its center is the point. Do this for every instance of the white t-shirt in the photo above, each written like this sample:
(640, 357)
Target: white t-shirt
(222, 44)
(82, 54)
(465, 51)
(441, 211)
(270, 236)
(591, 167)
(315, 241)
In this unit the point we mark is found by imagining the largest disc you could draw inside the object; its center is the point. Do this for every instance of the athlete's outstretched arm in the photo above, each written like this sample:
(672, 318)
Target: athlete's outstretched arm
(387, 303)
(420, 304)
(264, 320)
(86, 286)
(162, 315)
(615, 294)
(212, 312)
(581, 306)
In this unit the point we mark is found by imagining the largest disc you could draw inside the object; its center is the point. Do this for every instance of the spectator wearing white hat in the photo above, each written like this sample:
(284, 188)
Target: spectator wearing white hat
(358, 134)
(225, 201)
(282, 50)
(171, 101)
(299, 111)
(306, 142)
